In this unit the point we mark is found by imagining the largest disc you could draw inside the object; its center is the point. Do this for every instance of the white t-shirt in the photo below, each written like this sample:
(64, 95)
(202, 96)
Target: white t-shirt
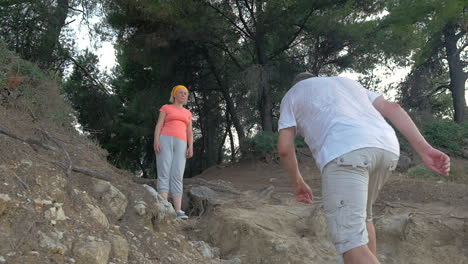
(335, 115)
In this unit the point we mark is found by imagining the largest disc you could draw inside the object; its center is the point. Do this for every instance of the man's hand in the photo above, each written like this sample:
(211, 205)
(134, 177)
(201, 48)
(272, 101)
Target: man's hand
(437, 161)
(303, 193)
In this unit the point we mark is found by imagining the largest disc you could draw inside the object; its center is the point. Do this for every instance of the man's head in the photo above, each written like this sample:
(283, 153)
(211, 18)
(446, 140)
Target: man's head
(302, 76)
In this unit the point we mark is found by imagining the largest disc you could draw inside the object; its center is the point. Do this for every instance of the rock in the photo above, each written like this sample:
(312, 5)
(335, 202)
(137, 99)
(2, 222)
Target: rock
(317, 223)
(52, 242)
(92, 252)
(26, 163)
(205, 249)
(140, 208)
(98, 216)
(5, 202)
(50, 213)
(111, 197)
(54, 185)
(55, 213)
(165, 208)
(404, 162)
(231, 261)
(2, 259)
(119, 247)
(60, 214)
(394, 225)
(202, 192)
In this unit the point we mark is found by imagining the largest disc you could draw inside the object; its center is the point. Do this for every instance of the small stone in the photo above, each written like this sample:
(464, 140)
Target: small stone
(140, 208)
(2, 259)
(26, 163)
(71, 260)
(60, 216)
(34, 253)
(11, 254)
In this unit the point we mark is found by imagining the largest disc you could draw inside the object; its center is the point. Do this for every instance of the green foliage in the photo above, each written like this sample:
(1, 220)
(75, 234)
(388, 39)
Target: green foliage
(422, 172)
(31, 89)
(266, 142)
(446, 134)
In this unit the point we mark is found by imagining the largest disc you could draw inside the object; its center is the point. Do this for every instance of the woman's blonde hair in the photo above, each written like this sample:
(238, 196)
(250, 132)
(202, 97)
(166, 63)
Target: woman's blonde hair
(174, 91)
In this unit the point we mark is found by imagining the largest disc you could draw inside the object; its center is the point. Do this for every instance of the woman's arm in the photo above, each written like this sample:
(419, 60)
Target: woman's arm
(190, 140)
(157, 131)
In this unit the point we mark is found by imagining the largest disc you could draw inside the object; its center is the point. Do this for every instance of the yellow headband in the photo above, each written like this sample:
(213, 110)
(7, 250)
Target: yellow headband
(174, 91)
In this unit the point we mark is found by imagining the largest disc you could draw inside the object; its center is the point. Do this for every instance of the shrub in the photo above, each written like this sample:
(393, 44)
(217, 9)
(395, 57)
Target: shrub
(422, 172)
(267, 142)
(446, 134)
(32, 90)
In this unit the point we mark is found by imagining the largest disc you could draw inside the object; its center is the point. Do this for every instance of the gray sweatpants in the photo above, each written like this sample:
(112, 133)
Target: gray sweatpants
(170, 162)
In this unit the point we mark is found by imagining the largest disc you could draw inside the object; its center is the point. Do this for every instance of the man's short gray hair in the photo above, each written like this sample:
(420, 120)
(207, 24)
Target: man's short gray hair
(302, 76)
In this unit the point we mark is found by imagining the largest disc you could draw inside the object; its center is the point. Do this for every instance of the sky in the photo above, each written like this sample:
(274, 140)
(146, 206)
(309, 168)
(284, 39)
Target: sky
(105, 52)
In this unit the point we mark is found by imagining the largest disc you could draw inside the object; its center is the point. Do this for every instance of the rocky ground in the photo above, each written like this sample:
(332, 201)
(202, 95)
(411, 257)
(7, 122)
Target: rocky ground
(418, 220)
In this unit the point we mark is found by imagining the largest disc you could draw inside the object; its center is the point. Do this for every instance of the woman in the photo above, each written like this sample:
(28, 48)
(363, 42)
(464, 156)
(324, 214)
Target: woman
(173, 143)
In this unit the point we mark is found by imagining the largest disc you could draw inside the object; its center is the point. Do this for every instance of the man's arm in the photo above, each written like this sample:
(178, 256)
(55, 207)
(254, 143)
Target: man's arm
(287, 152)
(432, 158)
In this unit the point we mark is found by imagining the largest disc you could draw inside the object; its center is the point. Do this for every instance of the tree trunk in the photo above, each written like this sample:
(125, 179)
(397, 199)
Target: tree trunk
(49, 41)
(265, 102)
(233, 148)
(228, 99)
(457, 75)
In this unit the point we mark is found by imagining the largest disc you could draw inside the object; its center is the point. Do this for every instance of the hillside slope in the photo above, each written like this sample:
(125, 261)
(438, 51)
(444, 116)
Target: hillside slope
(60, 200)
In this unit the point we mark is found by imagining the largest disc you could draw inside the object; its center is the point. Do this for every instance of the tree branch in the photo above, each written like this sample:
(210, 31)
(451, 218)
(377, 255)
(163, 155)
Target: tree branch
(241, 17)
(27, 140)
(85, 171)
(293, 37)
(87, 73)
(229, 19)
(442, 87)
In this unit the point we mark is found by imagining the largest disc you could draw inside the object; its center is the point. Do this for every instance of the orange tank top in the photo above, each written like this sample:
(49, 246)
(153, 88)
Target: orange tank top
(176, 121)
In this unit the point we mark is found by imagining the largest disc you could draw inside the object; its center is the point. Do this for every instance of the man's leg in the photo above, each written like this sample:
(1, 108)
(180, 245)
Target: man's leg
(381, 170)
(360, 255)
(372, 245)
(345, 188)
(366, 253)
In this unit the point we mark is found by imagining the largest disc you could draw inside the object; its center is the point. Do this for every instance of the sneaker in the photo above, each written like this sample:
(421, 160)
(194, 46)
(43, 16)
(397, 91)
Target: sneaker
(181, 215)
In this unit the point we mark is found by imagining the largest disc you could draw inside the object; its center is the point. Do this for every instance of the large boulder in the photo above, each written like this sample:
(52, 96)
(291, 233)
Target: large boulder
(111, 197)
(92, 252)
(119, 248)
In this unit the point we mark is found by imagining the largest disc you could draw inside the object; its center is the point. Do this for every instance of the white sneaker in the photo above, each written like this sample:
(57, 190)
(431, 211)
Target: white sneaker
(181, 215)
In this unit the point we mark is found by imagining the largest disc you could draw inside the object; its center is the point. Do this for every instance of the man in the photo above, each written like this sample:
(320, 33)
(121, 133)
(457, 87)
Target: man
(355, 149)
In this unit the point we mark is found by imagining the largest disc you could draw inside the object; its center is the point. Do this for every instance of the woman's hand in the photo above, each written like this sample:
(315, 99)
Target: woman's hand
(157, 146)
(189, 152)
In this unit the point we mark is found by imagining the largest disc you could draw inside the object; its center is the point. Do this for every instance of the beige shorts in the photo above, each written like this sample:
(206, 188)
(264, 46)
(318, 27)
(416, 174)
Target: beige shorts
(350, 185)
